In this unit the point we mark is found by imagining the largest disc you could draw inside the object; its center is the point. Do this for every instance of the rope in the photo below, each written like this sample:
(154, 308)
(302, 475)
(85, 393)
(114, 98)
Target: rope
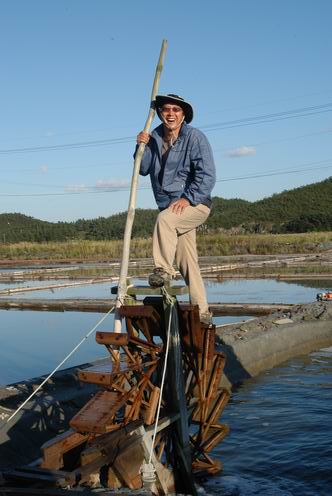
(170, 301)
(57, 367)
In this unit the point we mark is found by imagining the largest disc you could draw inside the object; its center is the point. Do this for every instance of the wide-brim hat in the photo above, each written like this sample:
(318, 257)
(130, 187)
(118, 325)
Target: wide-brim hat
(178, 100)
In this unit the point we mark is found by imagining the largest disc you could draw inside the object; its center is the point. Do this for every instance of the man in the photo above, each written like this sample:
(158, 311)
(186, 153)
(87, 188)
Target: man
(180, 163)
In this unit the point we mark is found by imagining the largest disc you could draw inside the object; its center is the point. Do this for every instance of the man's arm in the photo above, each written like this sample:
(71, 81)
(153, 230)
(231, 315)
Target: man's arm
(143, 137)
(204, 171)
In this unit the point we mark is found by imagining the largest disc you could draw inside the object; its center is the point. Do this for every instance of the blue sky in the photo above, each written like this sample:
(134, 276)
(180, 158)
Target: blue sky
(257, 72)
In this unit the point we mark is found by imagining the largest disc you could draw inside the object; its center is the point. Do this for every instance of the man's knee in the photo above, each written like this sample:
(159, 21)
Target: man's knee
(165, 220)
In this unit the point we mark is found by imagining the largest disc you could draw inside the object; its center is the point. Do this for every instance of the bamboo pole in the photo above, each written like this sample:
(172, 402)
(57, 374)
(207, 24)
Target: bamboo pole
(122, 287)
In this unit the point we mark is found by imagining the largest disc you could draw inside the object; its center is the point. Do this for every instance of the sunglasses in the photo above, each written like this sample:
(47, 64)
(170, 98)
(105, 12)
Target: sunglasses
(176, 110)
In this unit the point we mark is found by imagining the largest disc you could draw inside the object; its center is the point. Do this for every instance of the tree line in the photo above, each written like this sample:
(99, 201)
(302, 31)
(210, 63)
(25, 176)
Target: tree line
(299, 210)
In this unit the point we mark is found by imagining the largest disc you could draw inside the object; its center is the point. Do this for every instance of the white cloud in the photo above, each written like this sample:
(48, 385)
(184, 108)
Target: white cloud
(44, 168)
(242, 151)
(76, 188)
(113, 184)
(103, 185)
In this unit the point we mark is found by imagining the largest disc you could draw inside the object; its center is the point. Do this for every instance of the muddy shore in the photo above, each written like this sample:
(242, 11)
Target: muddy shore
(261, 344)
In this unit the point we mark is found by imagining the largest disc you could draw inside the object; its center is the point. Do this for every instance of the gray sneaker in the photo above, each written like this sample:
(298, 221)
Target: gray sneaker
(159, 277)
(206, 318)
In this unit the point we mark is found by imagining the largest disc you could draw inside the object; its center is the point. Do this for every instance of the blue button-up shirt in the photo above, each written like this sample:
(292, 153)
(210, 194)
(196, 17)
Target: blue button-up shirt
(189, 168)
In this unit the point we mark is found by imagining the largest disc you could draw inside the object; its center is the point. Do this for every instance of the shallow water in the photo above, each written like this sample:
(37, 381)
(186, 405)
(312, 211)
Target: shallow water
(33, 343)
(280, 442)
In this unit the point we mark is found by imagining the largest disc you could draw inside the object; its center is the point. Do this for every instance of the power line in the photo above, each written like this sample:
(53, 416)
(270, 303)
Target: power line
(268, 174)
(279, 140)
(284, 113)
(221, 126)
(68, 146)
(69, 193)
(271, 102)
(89, 190)
(39, 169)
(260, 119)
(51, 134)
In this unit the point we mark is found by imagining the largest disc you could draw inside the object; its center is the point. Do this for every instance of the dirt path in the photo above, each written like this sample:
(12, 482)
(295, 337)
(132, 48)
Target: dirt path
(263, 343)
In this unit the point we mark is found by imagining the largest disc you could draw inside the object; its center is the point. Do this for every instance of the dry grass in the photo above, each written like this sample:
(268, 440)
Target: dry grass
(261, 244)
(208, 245)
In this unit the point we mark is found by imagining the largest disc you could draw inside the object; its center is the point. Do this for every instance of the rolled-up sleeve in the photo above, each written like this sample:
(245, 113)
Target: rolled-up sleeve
(204, 171)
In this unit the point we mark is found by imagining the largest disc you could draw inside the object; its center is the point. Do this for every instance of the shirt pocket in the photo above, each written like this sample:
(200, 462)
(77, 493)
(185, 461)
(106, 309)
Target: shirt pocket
(174, 186)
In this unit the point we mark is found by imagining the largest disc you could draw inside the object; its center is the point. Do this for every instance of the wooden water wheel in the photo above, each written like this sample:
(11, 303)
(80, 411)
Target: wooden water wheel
(111, 436)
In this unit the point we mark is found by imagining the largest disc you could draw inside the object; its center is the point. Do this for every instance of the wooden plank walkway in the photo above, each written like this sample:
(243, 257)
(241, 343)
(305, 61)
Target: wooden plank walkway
(25, 289)
(104, 305)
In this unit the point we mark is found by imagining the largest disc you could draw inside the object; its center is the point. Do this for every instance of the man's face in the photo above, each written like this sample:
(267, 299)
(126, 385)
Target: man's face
(172, 115)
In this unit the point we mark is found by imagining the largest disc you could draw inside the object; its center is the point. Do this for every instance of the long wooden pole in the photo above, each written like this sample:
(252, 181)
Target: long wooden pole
(122, 287)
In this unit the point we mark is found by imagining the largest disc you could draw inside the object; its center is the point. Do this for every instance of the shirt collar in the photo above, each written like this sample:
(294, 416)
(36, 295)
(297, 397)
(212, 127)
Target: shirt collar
(158, 132)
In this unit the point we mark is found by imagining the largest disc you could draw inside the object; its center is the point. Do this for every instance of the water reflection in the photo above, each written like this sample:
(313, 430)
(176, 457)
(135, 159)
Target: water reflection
(280, 440)
(33, 343)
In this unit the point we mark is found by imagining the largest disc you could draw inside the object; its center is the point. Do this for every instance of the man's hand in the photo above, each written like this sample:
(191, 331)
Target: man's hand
(179, 205)
(143, 137)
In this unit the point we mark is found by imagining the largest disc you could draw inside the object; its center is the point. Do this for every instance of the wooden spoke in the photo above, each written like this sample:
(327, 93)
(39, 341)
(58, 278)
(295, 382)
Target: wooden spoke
(114, 429)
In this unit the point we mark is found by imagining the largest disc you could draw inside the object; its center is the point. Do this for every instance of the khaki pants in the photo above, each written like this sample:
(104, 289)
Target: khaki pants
(174, 237)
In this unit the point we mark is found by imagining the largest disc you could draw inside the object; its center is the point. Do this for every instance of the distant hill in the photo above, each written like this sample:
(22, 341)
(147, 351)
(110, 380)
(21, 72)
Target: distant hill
(18, 227)
(299, 210)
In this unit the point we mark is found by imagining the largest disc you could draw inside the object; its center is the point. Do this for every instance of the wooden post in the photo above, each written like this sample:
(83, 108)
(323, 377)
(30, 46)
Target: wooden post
(176, 400)
(122, 287)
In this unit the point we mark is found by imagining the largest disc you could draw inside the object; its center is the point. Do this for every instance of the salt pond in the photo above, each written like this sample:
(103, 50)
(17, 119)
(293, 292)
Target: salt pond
(33, 343)
(280, 443)
(280, 440)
